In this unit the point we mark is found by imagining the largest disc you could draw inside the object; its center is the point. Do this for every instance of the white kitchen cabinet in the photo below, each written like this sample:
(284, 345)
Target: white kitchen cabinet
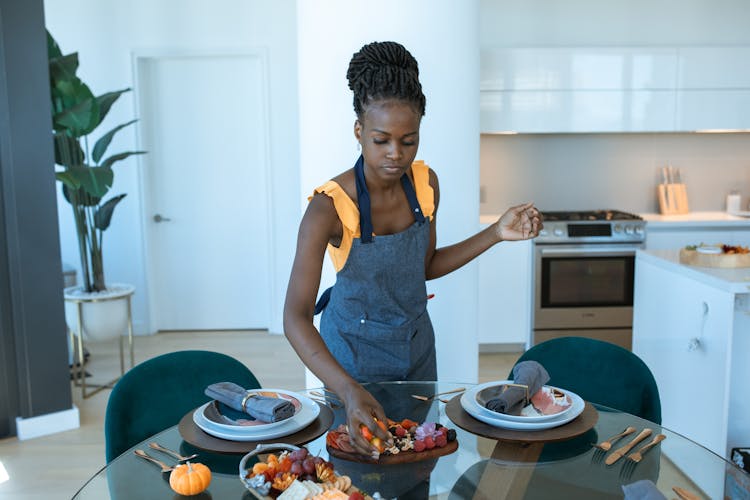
(505, 296)
(713, 88)
(587, 89)
(713, 67)
(581, 111)
(691, 326)
(614, 89)
(713, 109)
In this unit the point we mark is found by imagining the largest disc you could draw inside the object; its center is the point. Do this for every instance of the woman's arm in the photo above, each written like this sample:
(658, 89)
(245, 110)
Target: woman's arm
(320, 224)
(520, 222)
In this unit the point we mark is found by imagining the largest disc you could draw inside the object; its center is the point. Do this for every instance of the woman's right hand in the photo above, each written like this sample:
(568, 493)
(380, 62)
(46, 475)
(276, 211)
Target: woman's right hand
(363, 409)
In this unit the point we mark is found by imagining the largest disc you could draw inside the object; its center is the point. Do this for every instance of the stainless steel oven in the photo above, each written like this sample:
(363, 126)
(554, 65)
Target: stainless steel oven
(584, 270)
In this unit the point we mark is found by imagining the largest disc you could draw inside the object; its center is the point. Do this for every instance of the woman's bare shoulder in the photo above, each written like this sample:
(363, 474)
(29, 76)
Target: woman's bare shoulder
(348, 183)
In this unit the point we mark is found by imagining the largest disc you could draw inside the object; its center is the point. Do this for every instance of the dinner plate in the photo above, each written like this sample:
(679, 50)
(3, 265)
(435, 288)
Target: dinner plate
(309, 411)
(231, 420)
(489, 390)
(470, 405)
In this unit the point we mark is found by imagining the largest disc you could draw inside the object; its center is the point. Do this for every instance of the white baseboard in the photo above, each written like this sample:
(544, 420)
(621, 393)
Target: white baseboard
(49, 423)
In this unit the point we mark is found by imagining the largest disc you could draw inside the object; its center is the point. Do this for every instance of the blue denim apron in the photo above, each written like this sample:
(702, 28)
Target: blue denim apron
(375, 321)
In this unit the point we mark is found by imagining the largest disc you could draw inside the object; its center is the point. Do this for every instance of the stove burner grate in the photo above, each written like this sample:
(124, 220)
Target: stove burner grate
(589, 215)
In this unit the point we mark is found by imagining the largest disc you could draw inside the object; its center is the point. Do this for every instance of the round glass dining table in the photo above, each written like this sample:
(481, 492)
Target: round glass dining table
(481, 468)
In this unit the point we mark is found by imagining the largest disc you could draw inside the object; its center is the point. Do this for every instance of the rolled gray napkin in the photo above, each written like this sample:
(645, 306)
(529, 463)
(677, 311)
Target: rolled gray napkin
(529, 373)
(259, 407)
(642, 490)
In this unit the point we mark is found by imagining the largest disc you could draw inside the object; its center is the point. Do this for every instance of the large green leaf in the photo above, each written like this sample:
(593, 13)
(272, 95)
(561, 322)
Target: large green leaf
(68, 150)
(68, 180)
(83, 199)
(96, 181)
(101, 145)
(63, 67)
(68, 93)
(79, 119)
(107, 100)
(103, 214)
(120, 156)
(53, 50)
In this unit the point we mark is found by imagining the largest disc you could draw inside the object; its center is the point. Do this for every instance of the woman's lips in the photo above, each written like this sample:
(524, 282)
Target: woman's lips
(393, 169)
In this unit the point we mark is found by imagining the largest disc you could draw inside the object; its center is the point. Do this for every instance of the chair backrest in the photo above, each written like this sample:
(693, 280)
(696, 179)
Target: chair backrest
(599, 372)
(157, 393)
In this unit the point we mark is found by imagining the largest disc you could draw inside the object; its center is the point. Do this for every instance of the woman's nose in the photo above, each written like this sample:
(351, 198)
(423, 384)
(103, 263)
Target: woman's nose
(394, 152)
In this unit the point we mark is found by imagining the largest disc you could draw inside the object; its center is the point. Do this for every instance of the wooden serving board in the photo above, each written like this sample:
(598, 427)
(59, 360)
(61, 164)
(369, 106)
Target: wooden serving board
(404, 457)
(731, 260)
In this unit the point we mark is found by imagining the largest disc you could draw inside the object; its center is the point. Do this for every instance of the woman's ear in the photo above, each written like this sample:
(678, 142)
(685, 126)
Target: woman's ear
(358, 130)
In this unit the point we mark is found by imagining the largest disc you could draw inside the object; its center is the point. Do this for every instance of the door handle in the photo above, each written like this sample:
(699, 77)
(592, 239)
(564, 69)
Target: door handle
(159, 218)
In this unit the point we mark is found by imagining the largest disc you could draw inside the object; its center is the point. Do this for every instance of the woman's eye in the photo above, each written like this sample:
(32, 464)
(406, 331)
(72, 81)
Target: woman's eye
(410, 143)
(379, 141)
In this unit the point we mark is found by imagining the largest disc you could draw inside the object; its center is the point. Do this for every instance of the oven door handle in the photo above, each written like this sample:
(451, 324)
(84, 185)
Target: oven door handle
(584, 252)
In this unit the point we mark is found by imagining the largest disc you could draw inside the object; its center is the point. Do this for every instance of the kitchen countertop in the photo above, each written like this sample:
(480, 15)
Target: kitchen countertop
(695, 219)
(688, 220)
(736, 280)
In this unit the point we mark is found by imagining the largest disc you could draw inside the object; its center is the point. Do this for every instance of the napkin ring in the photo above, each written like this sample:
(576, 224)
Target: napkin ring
(243, 403)
(527, 400)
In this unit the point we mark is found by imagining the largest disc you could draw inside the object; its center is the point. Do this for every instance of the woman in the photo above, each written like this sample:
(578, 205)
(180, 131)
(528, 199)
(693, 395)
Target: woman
(377, 221)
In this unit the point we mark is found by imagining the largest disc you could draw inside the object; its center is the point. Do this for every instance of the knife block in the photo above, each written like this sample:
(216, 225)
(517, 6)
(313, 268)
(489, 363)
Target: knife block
(673, 199)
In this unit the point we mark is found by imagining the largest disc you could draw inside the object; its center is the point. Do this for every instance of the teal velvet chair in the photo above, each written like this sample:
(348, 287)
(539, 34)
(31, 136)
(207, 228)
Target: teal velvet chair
(599, 372)
(157, 393)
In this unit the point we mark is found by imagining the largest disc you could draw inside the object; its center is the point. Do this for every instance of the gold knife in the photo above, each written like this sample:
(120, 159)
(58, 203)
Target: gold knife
(618, 453)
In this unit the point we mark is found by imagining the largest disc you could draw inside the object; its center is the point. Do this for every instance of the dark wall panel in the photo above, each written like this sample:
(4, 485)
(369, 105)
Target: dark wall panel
(31, 303)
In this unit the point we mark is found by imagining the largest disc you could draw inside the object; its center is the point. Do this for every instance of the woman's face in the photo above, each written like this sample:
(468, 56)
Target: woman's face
(389, 135)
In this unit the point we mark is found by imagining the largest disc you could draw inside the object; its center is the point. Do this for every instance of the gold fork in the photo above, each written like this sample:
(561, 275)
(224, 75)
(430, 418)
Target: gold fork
(634, 458)
(638, 455)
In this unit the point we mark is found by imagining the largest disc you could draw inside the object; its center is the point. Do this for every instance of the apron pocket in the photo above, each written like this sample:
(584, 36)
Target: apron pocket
(381, 351)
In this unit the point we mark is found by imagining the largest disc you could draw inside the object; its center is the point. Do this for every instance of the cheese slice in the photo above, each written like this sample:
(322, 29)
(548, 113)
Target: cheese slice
(295, 491)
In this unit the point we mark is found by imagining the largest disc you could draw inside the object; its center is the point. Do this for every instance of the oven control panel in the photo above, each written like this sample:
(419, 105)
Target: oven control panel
(626, 231)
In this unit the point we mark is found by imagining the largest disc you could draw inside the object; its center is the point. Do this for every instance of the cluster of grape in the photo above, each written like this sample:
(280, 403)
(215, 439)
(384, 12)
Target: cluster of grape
(282, 470)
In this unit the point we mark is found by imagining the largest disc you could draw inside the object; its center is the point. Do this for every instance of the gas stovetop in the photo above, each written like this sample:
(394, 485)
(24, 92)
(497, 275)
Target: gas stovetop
(591, 226)
(587, 215)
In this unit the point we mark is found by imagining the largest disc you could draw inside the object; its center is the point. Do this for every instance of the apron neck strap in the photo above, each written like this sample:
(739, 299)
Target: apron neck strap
(363, 201)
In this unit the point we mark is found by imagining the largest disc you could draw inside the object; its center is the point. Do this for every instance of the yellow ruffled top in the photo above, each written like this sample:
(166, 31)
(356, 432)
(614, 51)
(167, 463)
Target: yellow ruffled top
(348, 211)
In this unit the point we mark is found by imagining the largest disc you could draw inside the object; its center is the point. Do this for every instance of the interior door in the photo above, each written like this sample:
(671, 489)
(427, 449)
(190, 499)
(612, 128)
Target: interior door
(205, 128)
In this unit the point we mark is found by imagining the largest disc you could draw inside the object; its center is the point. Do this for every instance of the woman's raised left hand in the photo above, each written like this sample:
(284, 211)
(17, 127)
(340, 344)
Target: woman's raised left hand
(521, 222)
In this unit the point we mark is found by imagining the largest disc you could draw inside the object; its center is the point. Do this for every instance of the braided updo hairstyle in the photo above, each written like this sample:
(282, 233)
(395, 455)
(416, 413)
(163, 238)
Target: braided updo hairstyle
(384, 70)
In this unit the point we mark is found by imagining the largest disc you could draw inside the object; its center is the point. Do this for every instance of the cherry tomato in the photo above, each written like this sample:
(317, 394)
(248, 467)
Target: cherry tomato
(366, 432)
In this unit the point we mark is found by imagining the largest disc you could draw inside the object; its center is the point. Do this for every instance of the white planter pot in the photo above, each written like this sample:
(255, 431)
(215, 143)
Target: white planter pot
(104, 314)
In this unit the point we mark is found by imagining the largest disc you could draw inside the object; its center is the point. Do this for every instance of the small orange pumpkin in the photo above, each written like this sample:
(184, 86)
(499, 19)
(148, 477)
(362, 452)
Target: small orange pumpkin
(190, 478)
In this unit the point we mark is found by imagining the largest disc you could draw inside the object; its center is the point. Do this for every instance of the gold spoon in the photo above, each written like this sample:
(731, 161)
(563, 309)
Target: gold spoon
(157, 446)
(146, 456)
(606, 445)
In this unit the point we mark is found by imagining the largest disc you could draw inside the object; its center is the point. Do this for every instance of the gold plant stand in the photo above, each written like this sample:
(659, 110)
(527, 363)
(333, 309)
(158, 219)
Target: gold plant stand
(76, 339)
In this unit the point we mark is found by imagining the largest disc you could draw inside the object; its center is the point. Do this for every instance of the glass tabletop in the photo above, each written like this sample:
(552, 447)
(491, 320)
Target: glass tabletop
(480, 468)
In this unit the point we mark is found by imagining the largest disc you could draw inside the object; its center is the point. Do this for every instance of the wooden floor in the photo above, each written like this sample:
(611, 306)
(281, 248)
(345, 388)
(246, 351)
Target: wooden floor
(57, 466)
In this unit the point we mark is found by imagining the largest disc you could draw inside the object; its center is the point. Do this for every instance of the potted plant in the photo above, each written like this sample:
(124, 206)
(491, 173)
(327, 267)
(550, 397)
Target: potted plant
(86, 176)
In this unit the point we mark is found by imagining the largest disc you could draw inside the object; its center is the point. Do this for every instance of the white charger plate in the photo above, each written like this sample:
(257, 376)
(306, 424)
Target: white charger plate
(480, 400)
(294, 398)
(309, 412)
(469, 403)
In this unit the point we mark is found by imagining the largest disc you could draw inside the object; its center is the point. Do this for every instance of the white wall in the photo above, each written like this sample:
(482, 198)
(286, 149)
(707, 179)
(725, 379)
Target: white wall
(612, 170)
(442, 35)
(105, 34)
